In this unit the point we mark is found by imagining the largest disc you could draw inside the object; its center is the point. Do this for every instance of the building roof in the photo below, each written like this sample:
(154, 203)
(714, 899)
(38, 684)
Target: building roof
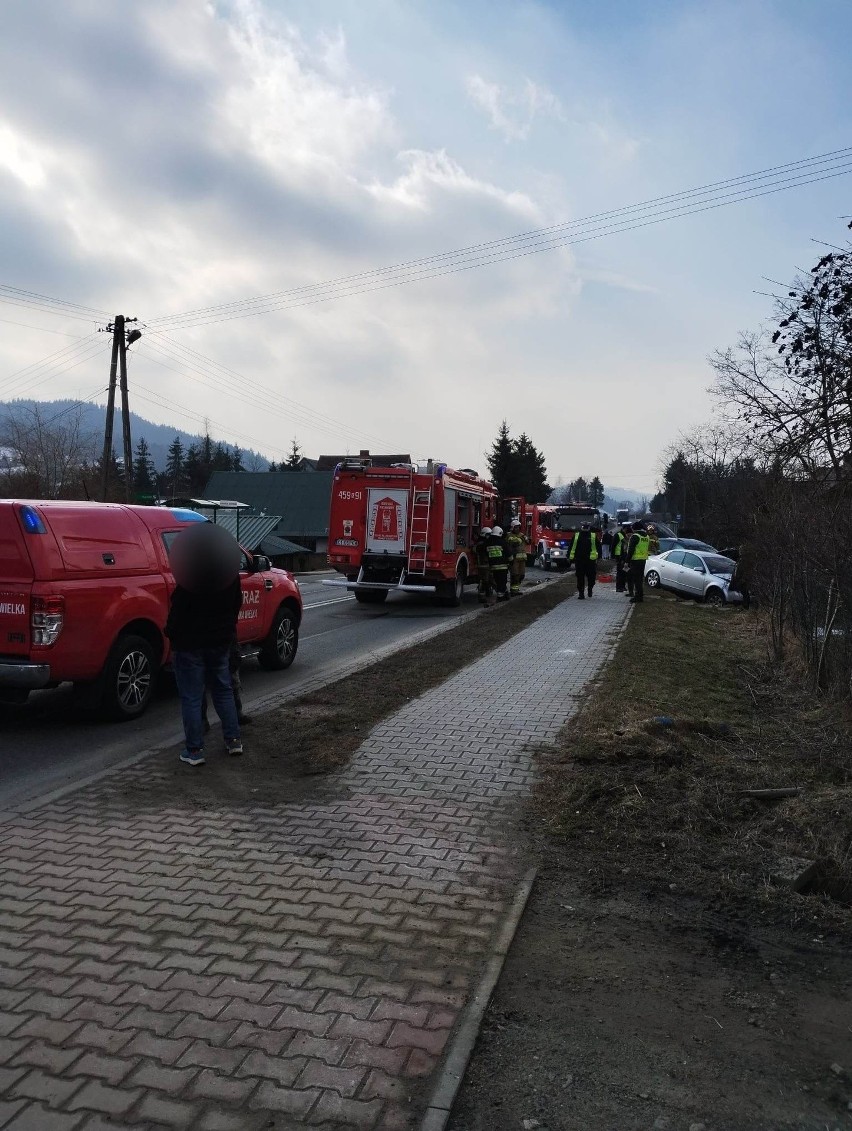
(249, 529)
(274, 547)
(302, 498)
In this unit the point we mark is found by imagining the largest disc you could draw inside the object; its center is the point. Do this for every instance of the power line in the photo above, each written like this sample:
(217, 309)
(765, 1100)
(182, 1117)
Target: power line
(687, 202)
(305, 415)
(18, 294)
(254, 397)
(53, 366)
(41, 329)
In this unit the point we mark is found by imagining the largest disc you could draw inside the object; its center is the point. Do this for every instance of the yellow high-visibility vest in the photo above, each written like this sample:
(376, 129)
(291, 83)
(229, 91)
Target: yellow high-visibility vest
(593, 553)
(640, 553)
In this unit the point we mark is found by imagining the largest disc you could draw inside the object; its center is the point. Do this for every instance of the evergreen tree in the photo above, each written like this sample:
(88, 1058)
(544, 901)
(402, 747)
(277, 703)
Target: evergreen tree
(529, 476)
(292, 461)
(273, 466)
(580, 491)
(221, 460)
(194, 474)
(144, 471)
(596, 492)
(237, 459)
(175, 473)
(501, 462)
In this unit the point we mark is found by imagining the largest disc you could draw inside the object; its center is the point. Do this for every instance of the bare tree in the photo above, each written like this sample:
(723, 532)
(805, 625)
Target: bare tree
(49, 453)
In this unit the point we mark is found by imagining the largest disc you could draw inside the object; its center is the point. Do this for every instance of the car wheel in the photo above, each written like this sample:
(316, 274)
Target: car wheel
(371, 596)
(129, 678)
(715, 597)
(278, 650)
(652, 579)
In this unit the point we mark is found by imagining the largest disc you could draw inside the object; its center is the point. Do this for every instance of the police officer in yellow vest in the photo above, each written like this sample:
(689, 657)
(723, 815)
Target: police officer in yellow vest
(584, 555)
(637, 554)
(518, 547)
(619, 546)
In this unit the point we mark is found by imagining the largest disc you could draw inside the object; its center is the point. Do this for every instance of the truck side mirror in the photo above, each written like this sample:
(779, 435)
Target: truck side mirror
(260, 564)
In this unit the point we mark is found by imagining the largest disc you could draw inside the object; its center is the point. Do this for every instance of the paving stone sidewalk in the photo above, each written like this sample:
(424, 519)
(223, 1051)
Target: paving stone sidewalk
(258, 966)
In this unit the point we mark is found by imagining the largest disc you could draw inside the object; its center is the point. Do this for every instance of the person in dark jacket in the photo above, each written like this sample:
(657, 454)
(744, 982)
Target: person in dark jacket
(637, 555)
(619, 548)
(201, 625)
(584, 556)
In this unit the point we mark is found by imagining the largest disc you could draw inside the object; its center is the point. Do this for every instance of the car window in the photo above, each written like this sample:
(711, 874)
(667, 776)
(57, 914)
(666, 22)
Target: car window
(692, 561)
(666, 544)
(675, 557)
(719, 565)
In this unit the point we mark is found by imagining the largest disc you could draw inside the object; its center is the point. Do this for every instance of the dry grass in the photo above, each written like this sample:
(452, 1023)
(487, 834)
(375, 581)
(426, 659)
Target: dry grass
(647, 778)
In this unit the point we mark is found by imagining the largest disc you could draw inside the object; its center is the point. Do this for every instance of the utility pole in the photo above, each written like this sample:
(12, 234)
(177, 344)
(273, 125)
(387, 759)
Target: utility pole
(118, 378)
(125, 417)
(117, 335)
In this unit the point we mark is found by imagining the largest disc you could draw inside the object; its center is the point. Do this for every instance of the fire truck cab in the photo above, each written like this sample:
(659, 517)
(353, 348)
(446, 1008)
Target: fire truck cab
(550, 529)
(406, 528)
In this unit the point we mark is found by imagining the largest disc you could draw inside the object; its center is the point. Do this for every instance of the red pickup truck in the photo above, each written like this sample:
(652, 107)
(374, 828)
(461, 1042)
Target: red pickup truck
(84, 595)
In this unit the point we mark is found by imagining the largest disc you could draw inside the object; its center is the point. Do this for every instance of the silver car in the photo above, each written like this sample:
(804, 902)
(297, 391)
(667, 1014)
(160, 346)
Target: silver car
(693, 573)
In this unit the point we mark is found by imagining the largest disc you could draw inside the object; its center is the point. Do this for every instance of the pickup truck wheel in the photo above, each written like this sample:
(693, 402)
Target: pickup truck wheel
(371, 596)
(128, 679)
(278, 650)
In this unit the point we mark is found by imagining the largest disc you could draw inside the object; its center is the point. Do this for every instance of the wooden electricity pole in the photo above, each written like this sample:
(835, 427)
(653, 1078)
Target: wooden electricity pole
(118, 378)
(117, 336)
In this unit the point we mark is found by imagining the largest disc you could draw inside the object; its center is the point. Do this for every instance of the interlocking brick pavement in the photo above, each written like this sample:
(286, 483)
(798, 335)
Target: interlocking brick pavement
(299, 964)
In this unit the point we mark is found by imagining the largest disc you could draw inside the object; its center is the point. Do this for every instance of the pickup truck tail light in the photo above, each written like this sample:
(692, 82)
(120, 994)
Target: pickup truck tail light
(47, 619)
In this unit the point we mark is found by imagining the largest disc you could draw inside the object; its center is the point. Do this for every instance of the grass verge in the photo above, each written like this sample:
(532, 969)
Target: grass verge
(327, 726)
(647, 779)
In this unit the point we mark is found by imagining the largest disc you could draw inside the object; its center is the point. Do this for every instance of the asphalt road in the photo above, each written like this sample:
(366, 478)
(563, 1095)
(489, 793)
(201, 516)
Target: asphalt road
(47, 744)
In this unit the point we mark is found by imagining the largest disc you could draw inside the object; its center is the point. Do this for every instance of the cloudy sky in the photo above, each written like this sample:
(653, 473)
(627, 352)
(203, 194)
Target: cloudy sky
(160, 157)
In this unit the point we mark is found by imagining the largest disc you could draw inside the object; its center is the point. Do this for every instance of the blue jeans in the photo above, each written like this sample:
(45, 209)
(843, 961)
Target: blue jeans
(205, 667)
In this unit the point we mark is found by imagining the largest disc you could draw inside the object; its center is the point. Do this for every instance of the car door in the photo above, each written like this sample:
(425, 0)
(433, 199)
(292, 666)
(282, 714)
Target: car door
(668, 568)
(693, 575)
(255, 585)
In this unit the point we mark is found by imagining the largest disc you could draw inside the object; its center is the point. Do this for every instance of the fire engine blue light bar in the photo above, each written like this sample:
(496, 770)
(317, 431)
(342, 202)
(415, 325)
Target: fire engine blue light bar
(188, 516)
(32, 521)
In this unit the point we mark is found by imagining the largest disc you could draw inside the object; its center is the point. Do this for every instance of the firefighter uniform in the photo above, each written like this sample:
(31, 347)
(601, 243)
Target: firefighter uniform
(485, 588)
(584, 555)
(518, 546)
(619, 546)
(637, 554)
(498, 563)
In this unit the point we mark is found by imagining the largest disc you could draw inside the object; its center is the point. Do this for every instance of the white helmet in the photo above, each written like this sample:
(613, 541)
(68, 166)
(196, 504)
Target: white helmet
(485, 530)
(497, 531)
(516, 522)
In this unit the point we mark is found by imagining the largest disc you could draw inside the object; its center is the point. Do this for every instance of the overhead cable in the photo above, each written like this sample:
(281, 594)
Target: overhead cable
(675, 205)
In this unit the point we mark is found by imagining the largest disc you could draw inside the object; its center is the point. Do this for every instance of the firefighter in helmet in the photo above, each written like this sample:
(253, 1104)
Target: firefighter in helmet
(518, 545)
(498, 560)
(483, 567)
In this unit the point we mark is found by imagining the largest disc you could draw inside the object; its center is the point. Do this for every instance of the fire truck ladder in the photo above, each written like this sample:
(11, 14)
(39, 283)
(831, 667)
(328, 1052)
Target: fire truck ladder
(421, 509)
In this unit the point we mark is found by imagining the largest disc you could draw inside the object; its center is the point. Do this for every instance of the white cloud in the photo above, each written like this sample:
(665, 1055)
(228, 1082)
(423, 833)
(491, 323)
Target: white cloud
(512, 113)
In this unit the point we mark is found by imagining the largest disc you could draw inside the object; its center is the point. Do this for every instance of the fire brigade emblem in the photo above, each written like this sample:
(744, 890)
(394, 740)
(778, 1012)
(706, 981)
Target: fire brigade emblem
(386, 523)
(347, 527)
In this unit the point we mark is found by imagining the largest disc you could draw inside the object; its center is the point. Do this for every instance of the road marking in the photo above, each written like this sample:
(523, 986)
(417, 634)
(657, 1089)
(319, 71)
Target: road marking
(334, 601)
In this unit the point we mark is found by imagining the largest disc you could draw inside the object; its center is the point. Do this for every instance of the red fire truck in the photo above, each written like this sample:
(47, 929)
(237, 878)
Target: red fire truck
(550, 528)
(406, 528)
